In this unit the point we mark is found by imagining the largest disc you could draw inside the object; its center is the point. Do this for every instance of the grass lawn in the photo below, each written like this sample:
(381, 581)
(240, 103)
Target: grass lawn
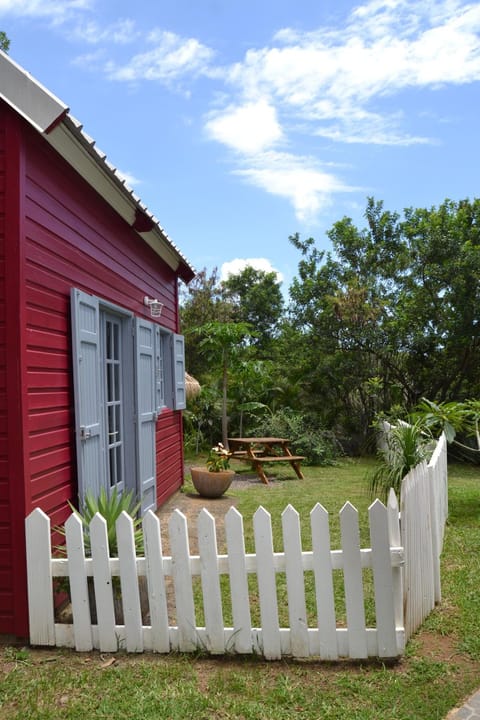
(440, 667)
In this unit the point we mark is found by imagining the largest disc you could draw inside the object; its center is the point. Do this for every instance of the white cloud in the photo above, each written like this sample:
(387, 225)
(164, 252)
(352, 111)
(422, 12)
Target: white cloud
(248, 128)
(297, 179)
(130, 180)
(233, 267)
(385, 47)
(171, 57)
(333, 83)
(56, 10)
(121, 32)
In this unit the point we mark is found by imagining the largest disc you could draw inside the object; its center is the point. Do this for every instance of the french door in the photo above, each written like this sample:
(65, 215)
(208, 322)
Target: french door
(113, 385)
(126, 370)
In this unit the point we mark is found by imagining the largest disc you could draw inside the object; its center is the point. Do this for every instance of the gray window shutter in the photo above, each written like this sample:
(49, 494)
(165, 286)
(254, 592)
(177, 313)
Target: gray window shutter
(180, 399)
(87, 390)
(146, 413)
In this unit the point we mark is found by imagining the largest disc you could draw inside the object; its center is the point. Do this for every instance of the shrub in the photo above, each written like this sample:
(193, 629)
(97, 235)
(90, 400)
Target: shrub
(307, 437)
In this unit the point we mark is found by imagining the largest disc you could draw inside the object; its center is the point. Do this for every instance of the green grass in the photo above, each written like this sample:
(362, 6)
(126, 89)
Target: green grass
(441, 665)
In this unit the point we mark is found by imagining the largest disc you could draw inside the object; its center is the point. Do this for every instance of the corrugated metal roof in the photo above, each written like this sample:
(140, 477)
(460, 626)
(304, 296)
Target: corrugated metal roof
(50, 116)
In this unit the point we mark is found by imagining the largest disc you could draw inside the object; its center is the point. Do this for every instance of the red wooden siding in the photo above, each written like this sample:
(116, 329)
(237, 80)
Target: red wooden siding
(67, 236)
(74, 239)
(6, 575)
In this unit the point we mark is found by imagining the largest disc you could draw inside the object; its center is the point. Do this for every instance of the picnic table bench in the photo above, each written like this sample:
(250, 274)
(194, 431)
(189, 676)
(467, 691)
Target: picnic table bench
(261, 450)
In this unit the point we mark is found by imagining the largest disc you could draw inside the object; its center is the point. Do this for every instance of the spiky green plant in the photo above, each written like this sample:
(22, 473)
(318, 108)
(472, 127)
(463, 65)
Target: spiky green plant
(406, 445)
(110, 507)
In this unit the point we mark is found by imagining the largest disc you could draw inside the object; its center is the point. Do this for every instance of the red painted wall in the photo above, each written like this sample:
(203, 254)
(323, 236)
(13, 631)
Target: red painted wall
(6, 592)
(70, 237)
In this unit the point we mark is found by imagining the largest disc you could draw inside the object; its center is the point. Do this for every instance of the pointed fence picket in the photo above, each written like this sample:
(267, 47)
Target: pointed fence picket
(199, 591)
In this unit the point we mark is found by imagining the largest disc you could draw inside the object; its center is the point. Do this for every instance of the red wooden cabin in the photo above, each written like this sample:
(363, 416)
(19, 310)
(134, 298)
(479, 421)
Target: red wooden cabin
(91, 376)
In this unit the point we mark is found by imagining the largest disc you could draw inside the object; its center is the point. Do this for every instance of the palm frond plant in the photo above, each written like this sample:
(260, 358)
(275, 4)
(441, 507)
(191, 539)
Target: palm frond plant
(406, 445)
(448, 417)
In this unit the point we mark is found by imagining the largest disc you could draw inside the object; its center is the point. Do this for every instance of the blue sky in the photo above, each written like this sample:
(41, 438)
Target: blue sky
(241, 122)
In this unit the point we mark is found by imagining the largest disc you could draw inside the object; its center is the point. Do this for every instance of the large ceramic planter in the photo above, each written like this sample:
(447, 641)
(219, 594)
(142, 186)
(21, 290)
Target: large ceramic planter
(211, 484)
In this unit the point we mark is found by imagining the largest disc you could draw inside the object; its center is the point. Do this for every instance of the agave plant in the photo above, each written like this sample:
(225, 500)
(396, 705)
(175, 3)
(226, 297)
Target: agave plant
(110, 507)
(406, 446)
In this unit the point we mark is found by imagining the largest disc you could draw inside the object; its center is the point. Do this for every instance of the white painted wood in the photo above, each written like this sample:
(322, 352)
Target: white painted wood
(395, 541)
(322, 568)
(82, 624)
(416, 530)
(39, 579)
(212, 599)
(438, 489)
(132, 612)
(267, 589)
(242, 623)
(157, 594)
(354, 597)
(297, 610)
(383, 581)
(423, 512)
(182, 581)
(102, 579)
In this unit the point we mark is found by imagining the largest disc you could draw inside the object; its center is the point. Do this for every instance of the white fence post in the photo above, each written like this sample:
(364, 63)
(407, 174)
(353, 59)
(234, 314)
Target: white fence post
(182, 581)
(267, 588)
(297, 609)
(352, 572)
(237, 568)
(323, 573)
(383, 581)
(157, 594)
(102, 580)
(82, 623)
(39, 579)
(132, 613)
(212, 598)
(395, 540)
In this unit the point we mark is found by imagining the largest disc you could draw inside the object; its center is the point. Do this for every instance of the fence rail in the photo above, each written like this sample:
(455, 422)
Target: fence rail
(176, 573)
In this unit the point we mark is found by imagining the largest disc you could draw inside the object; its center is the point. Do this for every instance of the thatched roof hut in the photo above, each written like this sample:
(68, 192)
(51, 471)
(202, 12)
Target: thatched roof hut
(192, 387)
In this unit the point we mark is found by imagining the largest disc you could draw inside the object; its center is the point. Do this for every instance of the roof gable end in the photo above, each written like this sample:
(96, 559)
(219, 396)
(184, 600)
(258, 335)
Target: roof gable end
(51, 118)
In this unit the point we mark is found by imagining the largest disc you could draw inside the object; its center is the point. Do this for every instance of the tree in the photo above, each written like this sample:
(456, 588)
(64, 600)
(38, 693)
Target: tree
(398, 301)
(4, 42)
(256, 298)
(201, 303)
(221, 344)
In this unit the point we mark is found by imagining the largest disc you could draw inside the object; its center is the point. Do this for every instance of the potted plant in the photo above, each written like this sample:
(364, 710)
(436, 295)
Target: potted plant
(214, 479)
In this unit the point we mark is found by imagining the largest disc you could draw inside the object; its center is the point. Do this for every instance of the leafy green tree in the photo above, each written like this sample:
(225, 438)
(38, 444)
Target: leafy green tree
(222, 343)
(4, 42)
(398, 301)
(202, 302)
(256, 298)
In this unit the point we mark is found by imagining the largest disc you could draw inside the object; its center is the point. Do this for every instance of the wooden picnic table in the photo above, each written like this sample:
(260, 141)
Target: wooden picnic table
(261, 450)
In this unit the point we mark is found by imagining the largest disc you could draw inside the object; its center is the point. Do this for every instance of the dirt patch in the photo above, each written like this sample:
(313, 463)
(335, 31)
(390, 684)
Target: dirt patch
(191, 504)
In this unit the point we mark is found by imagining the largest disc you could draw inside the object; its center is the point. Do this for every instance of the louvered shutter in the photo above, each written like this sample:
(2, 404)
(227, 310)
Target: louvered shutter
(146, 413)
(179, 398)
(87, 390)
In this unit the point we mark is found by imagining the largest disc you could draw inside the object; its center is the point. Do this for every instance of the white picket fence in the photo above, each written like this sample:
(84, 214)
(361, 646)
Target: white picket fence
(424, 509)
(404, 559)
(327, 638)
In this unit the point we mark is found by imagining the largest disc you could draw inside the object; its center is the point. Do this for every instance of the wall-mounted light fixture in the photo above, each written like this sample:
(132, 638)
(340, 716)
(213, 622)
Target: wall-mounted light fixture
(155, 306)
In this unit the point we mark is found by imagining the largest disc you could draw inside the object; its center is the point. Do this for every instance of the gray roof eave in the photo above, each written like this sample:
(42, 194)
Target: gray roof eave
(50, 117)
